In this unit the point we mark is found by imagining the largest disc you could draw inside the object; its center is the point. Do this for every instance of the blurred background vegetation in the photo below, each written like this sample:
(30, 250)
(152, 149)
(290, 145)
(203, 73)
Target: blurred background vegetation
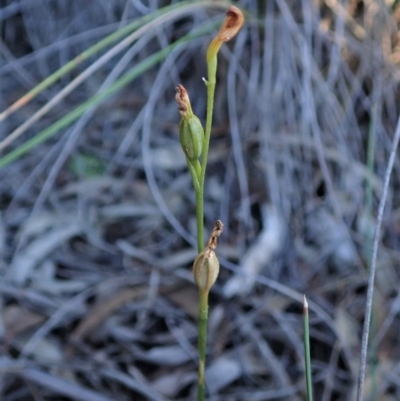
(97, 217)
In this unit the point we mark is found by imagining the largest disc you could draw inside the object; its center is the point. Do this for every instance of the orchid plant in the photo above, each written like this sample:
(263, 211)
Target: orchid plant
(195, 141)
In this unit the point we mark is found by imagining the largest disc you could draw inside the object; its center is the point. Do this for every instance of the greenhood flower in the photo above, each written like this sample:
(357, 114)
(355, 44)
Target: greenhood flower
(233, 21)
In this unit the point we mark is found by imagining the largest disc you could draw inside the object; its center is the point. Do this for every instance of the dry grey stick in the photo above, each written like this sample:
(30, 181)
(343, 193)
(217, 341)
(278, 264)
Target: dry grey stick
(371, 279)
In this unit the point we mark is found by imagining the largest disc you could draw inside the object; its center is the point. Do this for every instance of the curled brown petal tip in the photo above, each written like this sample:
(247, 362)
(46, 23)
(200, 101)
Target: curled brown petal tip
(234, 20)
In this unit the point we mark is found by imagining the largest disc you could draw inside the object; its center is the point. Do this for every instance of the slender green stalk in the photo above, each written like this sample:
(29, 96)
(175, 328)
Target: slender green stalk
(199, 206)
(199, 217)
(307, 356)
(212, 69)
(212, 72)
(202, 325)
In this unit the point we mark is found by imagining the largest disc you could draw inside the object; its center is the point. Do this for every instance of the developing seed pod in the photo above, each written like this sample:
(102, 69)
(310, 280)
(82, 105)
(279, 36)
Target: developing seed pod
(206, 265)
(206, 270)
(191, 132)
(191, 136)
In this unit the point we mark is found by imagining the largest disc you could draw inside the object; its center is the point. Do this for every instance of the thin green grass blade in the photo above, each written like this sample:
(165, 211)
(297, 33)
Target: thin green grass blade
(51, 79)
(119, 84)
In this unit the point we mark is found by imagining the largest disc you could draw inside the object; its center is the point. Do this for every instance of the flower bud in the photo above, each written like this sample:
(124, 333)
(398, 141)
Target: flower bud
(206, 270)
(191, 132)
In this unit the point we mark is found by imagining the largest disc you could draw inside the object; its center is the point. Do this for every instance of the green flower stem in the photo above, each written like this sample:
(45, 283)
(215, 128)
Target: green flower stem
(199, 216)
(203, 303)
(307, 351)
(212, 72)
(203, 319)
(212, 69)
(195, 171)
